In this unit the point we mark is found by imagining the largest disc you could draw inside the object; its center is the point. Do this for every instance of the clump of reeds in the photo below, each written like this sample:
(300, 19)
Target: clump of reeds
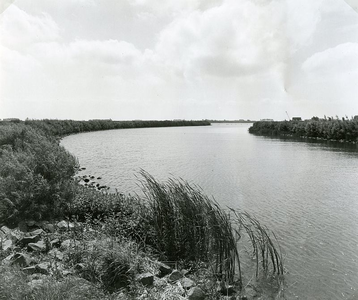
(187, 225)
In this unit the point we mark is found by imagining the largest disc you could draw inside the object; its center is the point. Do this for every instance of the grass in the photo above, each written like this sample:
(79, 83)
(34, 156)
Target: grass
(189, 226)
(119, 237)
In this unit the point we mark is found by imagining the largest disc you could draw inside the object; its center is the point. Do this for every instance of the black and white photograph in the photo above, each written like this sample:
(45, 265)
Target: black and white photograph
(178, 149)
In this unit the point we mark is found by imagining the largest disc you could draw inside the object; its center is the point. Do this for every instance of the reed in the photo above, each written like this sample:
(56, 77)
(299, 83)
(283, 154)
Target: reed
(187, 225)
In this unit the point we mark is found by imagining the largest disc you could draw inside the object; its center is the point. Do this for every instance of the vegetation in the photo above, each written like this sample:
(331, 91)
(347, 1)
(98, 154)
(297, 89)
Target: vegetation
(117, 236)
(344, 129)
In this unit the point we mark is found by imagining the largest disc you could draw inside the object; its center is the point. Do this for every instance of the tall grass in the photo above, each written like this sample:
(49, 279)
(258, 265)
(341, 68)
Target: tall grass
(187, 225)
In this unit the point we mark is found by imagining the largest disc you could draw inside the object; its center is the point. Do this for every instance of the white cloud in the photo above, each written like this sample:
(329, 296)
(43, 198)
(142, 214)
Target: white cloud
(333, 61)
(20, 29)
(234, 39)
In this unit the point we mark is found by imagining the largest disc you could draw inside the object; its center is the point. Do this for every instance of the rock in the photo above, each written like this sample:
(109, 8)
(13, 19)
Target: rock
(36, 232)
(55, 243)
(66, 244)
(80, 267)
(6, 230)
(40, 246)
(175, 275)
(164, 270)
(146, 279)
(35, 283)
(21, 259)
(49, 228)
(187, 283)
(196, 293)
(43, 268)
(54, 253)
(7, 244)
(63, 225)
(15, 235)
(30, 270)
(29, 239)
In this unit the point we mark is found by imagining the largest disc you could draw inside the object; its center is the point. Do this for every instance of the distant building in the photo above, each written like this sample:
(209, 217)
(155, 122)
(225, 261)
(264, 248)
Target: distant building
(296, 119)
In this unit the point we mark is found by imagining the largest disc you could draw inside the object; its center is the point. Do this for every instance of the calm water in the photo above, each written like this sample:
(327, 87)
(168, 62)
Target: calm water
(306, 192)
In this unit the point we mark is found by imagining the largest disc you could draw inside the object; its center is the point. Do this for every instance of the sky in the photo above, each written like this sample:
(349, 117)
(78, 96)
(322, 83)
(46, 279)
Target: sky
(178, 59)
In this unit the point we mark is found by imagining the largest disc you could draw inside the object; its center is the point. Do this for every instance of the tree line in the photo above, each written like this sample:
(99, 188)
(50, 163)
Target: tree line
(36, 173)
(344, 129)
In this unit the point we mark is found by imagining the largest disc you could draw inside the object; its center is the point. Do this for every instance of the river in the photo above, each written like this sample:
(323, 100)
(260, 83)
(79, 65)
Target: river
(306, 192)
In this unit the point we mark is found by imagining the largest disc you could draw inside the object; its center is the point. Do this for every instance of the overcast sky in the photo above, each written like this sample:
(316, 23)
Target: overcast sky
(178, 59)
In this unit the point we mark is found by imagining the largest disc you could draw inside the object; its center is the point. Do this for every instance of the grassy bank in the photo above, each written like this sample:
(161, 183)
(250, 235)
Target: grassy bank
(111, 239)
(333, 129)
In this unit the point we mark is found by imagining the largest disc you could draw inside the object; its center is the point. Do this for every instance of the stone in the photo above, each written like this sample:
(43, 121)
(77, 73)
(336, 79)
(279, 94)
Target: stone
(187, 283)
(164, 270)
(49, 228)
(40, 246)
(15, 235)
(55, 243)
(29, 239)
(36, 232)
(43, 267)
(66, 244)
(196, 293)
(36, 283)
(64, 225)
(21, 259)
(6, 230)
(7, 244)
(175, 275)
(146, 279)
(55, 253)
(30, 270)
(80, 267)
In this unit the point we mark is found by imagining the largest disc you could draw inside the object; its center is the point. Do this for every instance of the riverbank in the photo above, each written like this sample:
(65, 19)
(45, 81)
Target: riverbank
(341, 130)
(174, 222)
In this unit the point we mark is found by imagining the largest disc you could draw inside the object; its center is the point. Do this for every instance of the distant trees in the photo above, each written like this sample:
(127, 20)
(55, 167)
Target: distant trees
(328, 128)
(36, 173)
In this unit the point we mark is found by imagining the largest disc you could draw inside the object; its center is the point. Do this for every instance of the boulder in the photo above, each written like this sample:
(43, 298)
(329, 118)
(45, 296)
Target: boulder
(55, 243)
(49, 227)
(40, 246)
(164, 270)
(146, 279)
(175, 276)
(30, 270)
(187, 283)
(36, 232)
(196, 293)
(6, 230)
(67, 244)
(57, 254)
(21, 259)
(43, 268)
(64, 225)
(7, 244)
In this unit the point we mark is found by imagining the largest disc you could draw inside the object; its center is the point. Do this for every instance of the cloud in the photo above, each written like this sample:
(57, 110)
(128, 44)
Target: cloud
(234, 39)
(20, 29)
(334, 61)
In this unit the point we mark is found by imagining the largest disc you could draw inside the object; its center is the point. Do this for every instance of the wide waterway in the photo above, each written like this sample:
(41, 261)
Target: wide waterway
(306, 192)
